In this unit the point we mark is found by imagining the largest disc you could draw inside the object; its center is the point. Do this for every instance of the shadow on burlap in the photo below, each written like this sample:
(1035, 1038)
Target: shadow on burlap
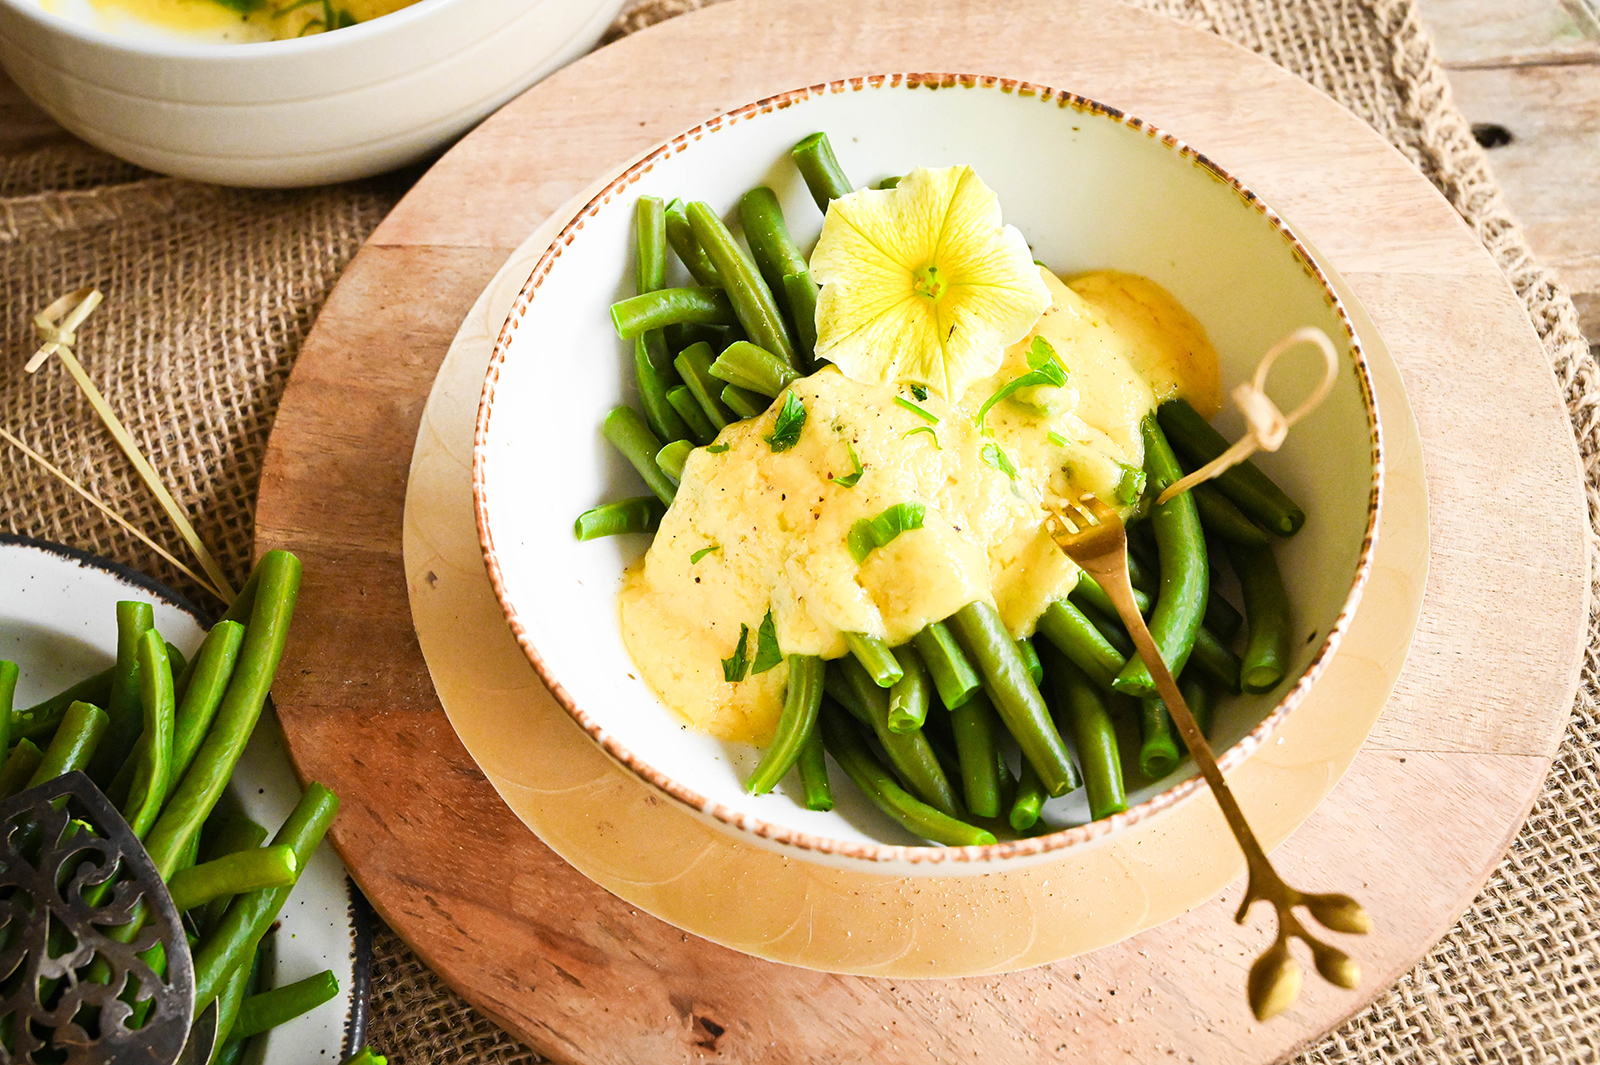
(216, 289)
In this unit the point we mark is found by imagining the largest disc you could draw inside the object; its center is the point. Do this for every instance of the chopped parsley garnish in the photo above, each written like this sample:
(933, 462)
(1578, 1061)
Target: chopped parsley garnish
(703, 552)
(991, 453)
(925, 415)
(734, 669)
(716, 449)
(767, 653)
(869, 534)
(1130, 487)
(850, 480)
(919, 392)
(791, 419)
(1057, 439)
(1043, 369)
(924, 429)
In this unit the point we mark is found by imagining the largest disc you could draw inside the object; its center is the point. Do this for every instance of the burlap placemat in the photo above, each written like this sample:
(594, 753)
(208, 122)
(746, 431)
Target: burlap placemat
(215, 290)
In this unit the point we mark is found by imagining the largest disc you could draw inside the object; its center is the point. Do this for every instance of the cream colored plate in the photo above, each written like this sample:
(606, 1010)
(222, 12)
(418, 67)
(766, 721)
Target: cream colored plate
(656, 855)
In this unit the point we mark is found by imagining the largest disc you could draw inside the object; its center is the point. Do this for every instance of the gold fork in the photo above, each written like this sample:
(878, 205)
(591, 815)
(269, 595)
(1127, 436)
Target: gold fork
(1092, 535)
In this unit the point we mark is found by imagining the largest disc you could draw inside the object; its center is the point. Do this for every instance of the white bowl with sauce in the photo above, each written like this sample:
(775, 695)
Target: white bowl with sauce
(317, 109)
(1090, 189)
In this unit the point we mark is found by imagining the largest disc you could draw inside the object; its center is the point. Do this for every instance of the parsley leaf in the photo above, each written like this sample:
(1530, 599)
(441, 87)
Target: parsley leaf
(734, 669)
(869, 534)
(703, 552)
(716, 449)
(924, 429)
(925, 415)
(991, 453)
(1044, 369)
(791, 419)
(919, 392)
(767, 653)
(850, 480)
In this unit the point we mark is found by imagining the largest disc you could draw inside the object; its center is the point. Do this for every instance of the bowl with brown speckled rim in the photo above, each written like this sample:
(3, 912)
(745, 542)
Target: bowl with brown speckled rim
(1090, 187)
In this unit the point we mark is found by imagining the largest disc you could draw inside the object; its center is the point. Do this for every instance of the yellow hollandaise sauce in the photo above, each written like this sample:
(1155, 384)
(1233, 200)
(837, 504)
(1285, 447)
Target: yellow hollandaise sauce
(246, 21)
(754, 530)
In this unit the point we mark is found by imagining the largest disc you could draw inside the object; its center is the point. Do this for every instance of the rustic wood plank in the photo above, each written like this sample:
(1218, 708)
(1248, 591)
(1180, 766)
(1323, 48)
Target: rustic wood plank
(1472, 33)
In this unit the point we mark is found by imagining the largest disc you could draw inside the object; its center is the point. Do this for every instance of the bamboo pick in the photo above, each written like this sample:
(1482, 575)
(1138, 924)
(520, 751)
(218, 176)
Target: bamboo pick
(55, 325)
(113, 515)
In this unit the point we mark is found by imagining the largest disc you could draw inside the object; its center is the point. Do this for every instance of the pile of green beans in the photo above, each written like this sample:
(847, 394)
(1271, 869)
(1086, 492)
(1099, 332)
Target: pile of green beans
(163, 746)
(962, 734)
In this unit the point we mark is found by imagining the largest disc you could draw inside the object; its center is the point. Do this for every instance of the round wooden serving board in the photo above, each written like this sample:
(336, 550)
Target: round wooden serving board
(1421, 817)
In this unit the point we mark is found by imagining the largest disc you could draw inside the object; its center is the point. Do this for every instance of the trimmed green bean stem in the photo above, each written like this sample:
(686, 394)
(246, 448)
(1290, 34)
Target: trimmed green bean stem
(74, 743)
(953, 675)
(1251, 490)
(1029, 800)
(640, 514)
(662, 416)
(671, 459)
(1094, 737)
(910, 753)
(249, 916)
(272, 1008)
(975, 725)
(987, 643)
(753, 369)
(850, 750)
(122, 709)
(694, 366)
(801, 292)
(744, 403)
(795, 724)
(752, 300)
(1222, 518)
(818, 165)
(1158, 746)
(1215, 662)
(875, 656)
(1030, 658)
(700, 428)
(908, 698)
(630, 435)
(1185, 574)
(20, 766)
(681, 236)
(234, 874)
(152, 773)
(671, 306)
(813, 763)
(774, 251)
(41, 719)
(1075, 635)
(1266, 612)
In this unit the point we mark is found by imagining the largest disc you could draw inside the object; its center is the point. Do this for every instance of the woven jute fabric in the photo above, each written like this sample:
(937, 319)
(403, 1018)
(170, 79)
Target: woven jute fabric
(214, 290)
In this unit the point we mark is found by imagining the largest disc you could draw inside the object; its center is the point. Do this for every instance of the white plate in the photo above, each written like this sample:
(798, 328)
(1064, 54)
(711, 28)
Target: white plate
(58, 622)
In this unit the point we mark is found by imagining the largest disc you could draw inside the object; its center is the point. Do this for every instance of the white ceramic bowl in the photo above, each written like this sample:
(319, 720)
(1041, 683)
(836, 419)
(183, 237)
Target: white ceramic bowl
(1089, 188)
(323, 108)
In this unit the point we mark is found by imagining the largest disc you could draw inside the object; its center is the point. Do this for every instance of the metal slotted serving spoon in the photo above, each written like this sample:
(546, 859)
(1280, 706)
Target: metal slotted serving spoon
(1092, 534)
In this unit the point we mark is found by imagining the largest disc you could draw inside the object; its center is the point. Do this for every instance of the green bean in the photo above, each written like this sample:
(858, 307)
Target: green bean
(694, 366)
(1114, 633)
(1030, 658)
(20, 765)
(366, 1056)
(9, 672)
(662, 418)
(743, 403)
(233, 874)
(908, 698)
(774, 251)
(213, 666)
(1222, 617)
(640, 514)
(700, 428)
(1029, 799)
(74, 743)
(850, 750)
(681, 236)
(1158, 746)
(152, 774)
(753, 369)
(235, 989)
(41, 719)
(1214, 661)
(987, 643)
(1008, 783)
(237, 833)
(875, 656)
(797, 722)
(824, 177)
(1250, 489)
(1185, 574)
(1266, 611)
(1143, 579)
(752, 301)
(249, 916)
(649, 243)
(813, 764)
(910, 753)
(671, 459)
(1075, 635)
(244, 603)
(953, 675)
(630, 435)
(1222, 518)
(272, 1008)
(1094, 737)
(671, 306)
(191, 801)
(122, 709)
(1089, 592)
(974, 725)
(232, 1053)
(1202, 704)
(801, 292)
